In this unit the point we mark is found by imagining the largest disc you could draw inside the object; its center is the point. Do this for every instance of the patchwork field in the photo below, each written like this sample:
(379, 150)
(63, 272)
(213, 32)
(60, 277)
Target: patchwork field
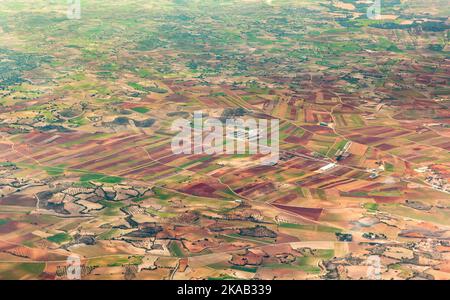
(87, 167)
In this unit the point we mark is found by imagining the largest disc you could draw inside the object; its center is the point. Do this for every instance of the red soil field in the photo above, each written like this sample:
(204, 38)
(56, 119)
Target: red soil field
(200, 189)
(263, 187)
(18, 200)
(310, 213)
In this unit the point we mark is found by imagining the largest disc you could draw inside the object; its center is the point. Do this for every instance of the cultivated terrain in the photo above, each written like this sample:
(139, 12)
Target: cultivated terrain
(362, 188)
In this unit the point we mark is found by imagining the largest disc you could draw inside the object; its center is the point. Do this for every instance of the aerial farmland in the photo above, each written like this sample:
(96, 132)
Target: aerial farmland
(89, 96)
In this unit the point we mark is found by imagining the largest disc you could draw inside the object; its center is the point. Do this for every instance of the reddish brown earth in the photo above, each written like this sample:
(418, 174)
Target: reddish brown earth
(310, 213)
